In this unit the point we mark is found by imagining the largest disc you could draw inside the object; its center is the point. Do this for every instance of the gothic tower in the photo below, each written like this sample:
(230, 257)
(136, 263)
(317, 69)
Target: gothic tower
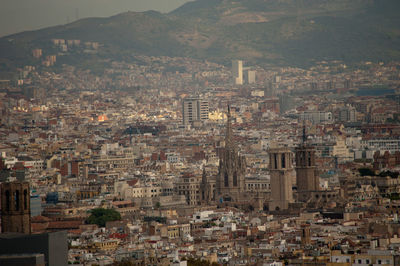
(230, 184)
(280, 164)
(206, 192)
(15, 207)
(306, 178)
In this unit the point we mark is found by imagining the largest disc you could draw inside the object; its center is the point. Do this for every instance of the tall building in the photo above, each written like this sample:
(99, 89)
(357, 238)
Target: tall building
(306, 177)
(237, 72)
(251, 77)
(230, 183)
(15, 207)
(194, 109)
(281, 166)
(347, 114)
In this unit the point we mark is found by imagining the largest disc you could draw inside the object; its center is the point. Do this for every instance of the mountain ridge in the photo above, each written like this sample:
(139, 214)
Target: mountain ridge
(279, 32)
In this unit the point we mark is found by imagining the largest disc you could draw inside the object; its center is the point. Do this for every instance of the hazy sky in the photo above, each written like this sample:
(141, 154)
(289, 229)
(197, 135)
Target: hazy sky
(22, 15)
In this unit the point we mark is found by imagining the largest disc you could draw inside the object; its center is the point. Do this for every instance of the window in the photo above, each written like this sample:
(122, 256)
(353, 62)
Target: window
(275, 162)
(16, 200)
(235, 179)
(226, 180)
(283, 161)
(25, 199)
(7, 200)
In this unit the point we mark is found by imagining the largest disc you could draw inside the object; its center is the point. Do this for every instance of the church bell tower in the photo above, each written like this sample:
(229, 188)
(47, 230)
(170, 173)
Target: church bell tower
(15, 207)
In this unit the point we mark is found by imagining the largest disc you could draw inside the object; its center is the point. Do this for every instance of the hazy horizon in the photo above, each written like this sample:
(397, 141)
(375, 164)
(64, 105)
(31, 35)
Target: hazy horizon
(25, 15)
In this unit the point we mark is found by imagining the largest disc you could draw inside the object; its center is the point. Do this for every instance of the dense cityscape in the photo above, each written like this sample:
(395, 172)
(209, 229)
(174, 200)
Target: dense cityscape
(165, 160)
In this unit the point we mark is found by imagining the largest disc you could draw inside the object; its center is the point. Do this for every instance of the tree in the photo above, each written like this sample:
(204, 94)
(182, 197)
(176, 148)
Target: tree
(100, 216)
(393, 175)
(199, 262)
(366, 172)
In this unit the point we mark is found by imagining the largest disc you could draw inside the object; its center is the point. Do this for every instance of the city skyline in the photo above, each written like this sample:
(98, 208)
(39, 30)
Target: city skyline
(225, 132)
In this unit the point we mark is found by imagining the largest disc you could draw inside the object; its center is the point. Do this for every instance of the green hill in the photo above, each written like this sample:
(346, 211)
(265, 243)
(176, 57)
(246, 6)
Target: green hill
(283, 32)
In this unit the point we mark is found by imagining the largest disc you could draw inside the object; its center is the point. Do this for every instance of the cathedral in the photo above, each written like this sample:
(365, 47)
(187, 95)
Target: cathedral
(230, 187)
(229, 184)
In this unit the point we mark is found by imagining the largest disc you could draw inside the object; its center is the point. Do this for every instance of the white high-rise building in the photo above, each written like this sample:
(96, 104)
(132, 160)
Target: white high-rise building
(251, 77)
(237, 72)
(194, 109)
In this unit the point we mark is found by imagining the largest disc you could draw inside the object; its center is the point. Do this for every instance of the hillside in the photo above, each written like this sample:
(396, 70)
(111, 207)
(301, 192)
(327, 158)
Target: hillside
(283, 32)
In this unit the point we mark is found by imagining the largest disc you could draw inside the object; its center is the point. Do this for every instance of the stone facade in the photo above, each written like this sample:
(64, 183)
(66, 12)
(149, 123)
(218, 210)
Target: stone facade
(230, 184)
(207, 188)
(281, 184)
(307, 179)
(15, 207)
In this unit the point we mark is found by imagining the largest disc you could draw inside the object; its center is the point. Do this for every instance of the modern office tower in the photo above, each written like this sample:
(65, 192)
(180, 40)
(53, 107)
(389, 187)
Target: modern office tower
(306, 177)
(250, 76)
(347, 114)
(194, 109)
(15, 207)
(237, 72)
(230, 185)
(280, 161)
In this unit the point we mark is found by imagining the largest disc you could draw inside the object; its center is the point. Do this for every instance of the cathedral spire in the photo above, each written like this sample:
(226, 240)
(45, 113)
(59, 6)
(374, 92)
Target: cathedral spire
(229, 134)
(304, 133)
